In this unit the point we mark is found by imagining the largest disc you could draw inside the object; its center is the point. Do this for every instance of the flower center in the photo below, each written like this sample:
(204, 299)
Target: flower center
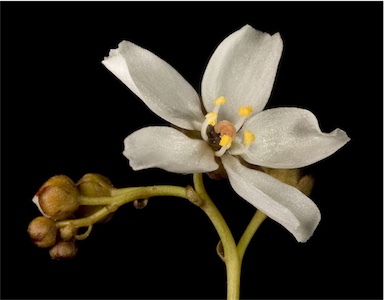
(220, 135)
(225, 128)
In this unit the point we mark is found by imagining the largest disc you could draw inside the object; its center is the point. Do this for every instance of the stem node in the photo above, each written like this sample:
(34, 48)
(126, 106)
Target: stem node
(194, 197)
(220, 250)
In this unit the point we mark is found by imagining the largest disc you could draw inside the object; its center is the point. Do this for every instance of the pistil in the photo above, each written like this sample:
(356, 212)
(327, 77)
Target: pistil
(227, 132)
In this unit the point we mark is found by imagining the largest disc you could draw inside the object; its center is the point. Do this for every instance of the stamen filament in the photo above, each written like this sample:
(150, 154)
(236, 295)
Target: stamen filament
(240, 123)
(221, 152)
(244, 112)
(248, 139)
(211, 117)
(203, 130)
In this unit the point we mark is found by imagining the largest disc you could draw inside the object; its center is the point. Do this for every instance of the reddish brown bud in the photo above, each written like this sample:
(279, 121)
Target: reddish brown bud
(43, 232)
(64, 250)
(58, 198)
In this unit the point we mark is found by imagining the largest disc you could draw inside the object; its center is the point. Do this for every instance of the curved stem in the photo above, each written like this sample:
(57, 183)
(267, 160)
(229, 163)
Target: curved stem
(249, 232)
(114, 202)
(87, 221)
(126, 195)
(117, 192)
(232, 260)
(120, 197)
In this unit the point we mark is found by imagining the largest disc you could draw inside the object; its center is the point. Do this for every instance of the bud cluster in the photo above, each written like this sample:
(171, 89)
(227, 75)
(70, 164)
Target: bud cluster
(58, 199)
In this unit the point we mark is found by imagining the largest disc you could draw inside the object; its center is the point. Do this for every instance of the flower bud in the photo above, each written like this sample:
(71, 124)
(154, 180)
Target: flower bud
(140, 203)
(95, 185)
(305, 184)
(43, 232)
(293, 177)
(57, 198)
(68, 232)
(64, 250)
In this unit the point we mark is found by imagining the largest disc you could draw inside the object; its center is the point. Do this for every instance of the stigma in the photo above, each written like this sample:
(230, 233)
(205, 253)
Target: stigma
(224, 132)
(225, 128)
(227, 132)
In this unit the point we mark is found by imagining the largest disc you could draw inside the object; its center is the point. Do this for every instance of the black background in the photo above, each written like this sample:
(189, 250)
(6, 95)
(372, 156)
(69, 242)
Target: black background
(62, 112)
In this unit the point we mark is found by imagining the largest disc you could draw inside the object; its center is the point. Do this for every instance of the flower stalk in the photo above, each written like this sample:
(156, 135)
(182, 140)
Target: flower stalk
(231, 255)
(249, 232)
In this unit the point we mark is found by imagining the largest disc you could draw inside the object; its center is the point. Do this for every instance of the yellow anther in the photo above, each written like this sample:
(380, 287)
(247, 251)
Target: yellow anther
(211, 118)
(249, 137)
(220, 100)
(245, 111)
(225, 141)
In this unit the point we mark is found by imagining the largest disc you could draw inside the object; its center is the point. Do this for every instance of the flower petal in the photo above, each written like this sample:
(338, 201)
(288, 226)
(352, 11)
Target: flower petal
(155, 82)
(279, 201)
(169, 149)
(243, 70)
(35, 200)
(290, 137)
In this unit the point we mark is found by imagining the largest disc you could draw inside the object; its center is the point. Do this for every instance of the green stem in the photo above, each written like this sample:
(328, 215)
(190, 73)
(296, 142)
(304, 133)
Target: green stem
(125, 195)
(232, 260)
(117, 192)
(249, 232)
(87, 221)
(122, 196)
(114, 202)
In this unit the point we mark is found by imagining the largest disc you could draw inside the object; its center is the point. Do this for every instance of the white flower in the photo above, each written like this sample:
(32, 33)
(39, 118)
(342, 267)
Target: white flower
(235, 89)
